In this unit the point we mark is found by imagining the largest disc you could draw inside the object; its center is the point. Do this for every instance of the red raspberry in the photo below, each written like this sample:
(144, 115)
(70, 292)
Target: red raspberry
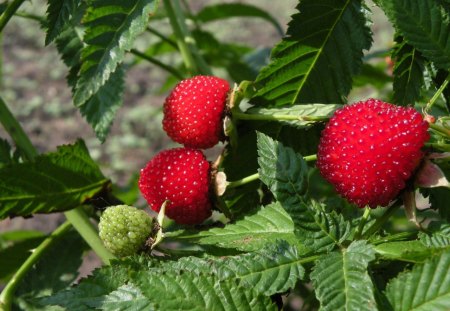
(370, 149)
(193, 112)
(182, 176)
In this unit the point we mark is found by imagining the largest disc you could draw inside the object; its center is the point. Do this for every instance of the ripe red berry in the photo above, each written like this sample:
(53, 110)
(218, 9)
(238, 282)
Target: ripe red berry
(182, 176)
(368, 150)
(194, 110)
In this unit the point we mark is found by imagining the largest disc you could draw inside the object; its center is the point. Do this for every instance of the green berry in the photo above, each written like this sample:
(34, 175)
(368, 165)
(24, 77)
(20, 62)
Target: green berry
(124, 229)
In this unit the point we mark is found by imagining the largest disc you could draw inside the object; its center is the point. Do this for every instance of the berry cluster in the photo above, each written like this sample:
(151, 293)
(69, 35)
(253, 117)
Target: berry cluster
(193, 114)
(370, 149)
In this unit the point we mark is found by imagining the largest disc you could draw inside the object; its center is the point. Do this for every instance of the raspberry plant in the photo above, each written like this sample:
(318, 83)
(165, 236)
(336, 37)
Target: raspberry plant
(280, 235)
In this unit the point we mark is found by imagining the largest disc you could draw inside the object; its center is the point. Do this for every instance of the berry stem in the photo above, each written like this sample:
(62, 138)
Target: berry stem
(158, 63)
(77, 216)
(7, 294)
(253, 177)
(276, 117)
(9, 12)
(192, 59)
(382, 220)
(438, 93)
(362, 223)
(439, 146)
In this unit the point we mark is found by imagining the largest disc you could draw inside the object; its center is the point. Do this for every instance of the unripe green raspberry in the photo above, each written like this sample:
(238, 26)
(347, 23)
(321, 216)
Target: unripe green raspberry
(124, 229)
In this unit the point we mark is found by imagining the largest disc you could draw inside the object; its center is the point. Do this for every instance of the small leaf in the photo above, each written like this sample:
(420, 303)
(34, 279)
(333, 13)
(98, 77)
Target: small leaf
(408, 73)
(315, 62)
(425, 287)
(436, 235)
(409, 251)
(301, 111)
(59, 13)
(227, 10)
(53, 182)
(341, 280)
(424, 24)
(111, 28)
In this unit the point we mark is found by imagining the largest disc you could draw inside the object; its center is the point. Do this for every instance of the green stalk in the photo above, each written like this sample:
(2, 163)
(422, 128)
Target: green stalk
(82, 224)
(162, 37)
(78, 215)
(158, 63)
(276, 117)
(253, 177)
(442, 147)
(7, 294)
(381, 221)
(9, 12)
(440, 129)
(438, 93)
(194, 62)
(362, 223)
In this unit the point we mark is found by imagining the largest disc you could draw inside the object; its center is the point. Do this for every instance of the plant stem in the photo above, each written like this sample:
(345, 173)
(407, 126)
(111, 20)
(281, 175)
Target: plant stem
(442, 147)
(440, 129)
(276, 117)
(192, 59)
(9, 12)
(82, 224)
(33, 17)
(253, 177)
(16, 132)
(158, 63)
(78, 215)
(162, 37)
(380, 221)
(7, 294)
(362, 223)
(438, 93)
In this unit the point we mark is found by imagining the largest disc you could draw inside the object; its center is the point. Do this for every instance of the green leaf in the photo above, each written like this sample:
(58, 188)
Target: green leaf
(436, 235)
(273, 269)
(59, 13)
(56, 270)
(425, 287)
(111, 28)
(424, 24)
(408, 74)
(269, 224)
(373, 75)
(228, 10)
(100, 109)
(341, 280)
(170, 291)
(409, 251)
(316, 61)
(52, 182)
(285, 173)
(439, 198)
(7, 156)
(307, 110)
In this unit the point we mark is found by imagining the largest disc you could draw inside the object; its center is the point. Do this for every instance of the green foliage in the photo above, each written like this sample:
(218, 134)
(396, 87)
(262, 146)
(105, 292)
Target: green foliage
(409, 251)
(341, 280)
(425, 287)
(437, 235)
(424, 25)
(53, 182)
(7, 155)
(315, 62)
(408, 73)
(58, 16)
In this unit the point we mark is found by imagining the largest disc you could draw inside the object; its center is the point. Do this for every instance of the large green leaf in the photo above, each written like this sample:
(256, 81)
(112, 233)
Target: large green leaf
(286, 174)
(425, 287)
(408, 74)
(269, 224)
(409, 251)
(228, 10)
(111, 28)
(52, 182)
(315, 62)
(100, 108)
(436, 235)
(59, 13)
(439, 198)
(341, 279)
(424, 24)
